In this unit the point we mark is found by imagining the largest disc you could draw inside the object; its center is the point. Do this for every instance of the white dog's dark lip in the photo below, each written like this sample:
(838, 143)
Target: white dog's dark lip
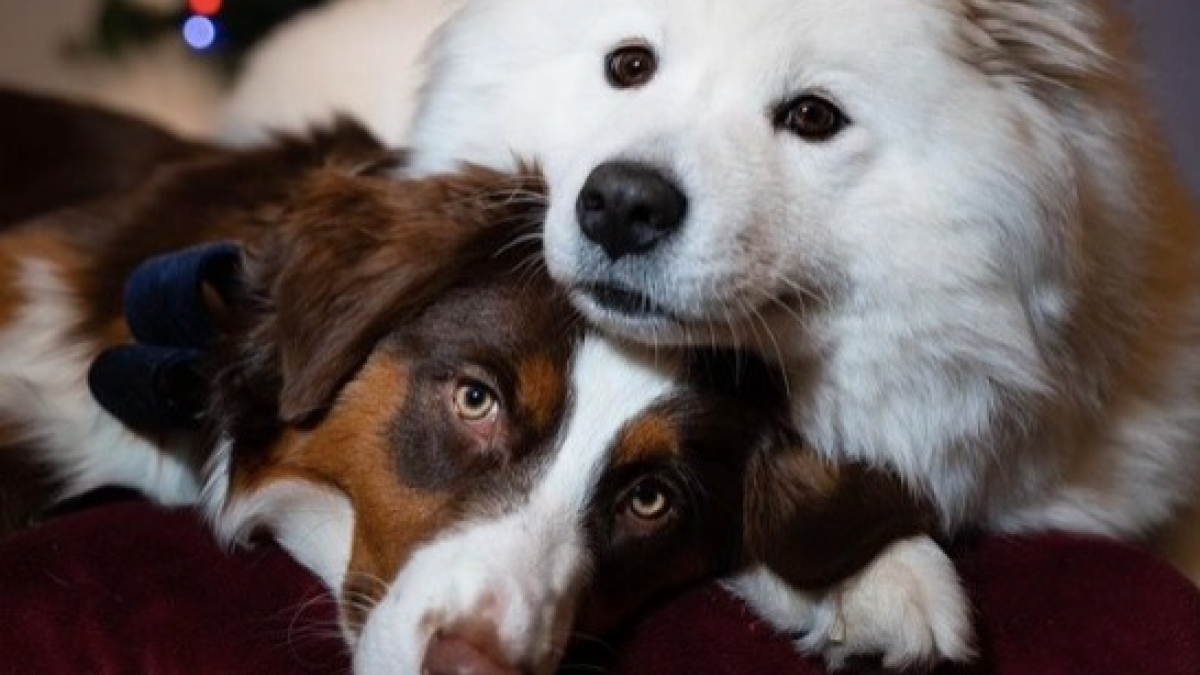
(624, 301)
(633, 315)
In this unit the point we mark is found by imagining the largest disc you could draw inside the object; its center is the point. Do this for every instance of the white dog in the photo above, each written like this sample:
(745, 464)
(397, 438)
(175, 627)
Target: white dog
(951, 221)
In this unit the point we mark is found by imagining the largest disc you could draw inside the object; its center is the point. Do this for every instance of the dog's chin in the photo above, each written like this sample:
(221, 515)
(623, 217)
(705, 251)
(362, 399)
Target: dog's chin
(635, 316)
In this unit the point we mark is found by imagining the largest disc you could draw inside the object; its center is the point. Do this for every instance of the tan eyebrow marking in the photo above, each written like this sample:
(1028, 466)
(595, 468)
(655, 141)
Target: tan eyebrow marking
(541, 389)
(650, 436)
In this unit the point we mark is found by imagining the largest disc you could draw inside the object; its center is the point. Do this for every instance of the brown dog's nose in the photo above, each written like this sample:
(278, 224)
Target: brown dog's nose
(449, 654)
(628, 208)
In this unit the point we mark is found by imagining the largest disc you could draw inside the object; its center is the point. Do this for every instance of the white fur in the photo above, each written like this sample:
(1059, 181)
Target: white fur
(960, 285)
(313, 523)
(43, 389)
(520, 571)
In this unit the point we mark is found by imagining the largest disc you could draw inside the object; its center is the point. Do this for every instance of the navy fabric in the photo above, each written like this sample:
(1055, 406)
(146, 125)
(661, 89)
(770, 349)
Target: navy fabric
(147, 386)
(155, 384)
(164, 298)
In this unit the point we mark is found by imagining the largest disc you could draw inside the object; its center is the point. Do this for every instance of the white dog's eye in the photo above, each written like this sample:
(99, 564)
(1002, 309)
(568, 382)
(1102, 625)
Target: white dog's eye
(630, 66)
(811, 118)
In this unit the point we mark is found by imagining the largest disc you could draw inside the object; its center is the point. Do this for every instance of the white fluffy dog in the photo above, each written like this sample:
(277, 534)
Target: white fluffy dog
(951, 221)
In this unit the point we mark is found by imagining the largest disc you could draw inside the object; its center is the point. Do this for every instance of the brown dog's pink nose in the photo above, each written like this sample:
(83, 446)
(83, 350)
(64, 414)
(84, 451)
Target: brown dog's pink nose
(450, 654)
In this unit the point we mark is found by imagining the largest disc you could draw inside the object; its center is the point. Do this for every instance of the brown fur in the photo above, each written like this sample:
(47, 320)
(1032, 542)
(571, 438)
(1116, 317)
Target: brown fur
(11, 297)
(26, 245)
(540, 384)
(647, 438)
(57, 155)
(814, 523)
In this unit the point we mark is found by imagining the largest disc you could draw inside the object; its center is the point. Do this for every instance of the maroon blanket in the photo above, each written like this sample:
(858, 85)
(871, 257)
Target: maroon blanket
(126, 588)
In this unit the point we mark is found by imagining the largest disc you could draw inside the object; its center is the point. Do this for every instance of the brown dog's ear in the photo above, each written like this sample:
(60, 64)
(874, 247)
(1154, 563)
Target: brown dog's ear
(814, 523)
(354, 254)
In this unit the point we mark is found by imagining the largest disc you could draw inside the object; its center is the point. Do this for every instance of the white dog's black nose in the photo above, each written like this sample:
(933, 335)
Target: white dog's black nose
(627, 208)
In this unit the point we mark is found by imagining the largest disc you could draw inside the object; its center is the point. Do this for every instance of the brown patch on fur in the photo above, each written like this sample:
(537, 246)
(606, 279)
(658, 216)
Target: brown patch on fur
(44, 241)
(11, 297)
(22, 247)
(649, 437)
(541, 389)
(349, 452)
(814, 523)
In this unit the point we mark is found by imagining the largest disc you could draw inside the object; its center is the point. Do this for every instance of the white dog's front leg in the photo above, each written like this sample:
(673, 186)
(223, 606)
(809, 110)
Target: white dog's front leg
(907, 607)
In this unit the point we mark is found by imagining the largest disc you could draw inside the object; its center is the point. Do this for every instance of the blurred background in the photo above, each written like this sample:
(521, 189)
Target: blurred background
(170, 59)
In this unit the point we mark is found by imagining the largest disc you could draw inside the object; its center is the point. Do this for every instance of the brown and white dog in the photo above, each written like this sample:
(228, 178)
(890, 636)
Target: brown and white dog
(404, 400)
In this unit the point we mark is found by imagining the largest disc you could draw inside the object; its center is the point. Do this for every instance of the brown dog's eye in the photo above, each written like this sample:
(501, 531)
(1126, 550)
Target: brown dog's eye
(630, 66)
(811, 118)
(474, 401)
(650, 500)
(476, 405)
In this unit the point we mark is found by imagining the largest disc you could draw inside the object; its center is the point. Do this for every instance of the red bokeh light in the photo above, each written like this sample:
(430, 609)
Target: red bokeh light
(205, 7)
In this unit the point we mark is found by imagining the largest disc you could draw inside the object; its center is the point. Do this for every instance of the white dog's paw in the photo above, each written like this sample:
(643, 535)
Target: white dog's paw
(906, 609)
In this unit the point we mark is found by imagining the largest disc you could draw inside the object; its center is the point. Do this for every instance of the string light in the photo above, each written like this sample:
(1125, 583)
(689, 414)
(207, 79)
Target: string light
(205, 7)
(199, 32)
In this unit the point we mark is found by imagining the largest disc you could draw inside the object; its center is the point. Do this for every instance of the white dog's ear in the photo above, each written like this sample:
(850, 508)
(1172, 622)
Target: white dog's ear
(1057, 42)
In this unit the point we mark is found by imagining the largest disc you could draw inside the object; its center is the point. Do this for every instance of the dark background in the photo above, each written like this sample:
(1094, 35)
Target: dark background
(1169, 35)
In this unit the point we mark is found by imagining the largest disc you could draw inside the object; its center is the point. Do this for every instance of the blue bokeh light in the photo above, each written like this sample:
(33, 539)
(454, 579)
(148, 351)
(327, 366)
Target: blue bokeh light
(199, 32)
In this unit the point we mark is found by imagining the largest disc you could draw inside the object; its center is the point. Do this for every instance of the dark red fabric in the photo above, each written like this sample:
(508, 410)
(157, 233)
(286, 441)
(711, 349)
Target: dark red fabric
(128, 588)
(1047, 605)
(131, 589)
